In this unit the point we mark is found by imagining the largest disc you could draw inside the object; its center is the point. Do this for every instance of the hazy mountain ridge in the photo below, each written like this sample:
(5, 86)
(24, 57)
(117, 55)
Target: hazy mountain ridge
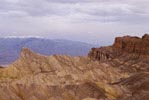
(10, 48)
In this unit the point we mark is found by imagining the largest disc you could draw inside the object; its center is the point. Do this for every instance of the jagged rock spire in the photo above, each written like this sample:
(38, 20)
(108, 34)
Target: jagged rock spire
(26, 53)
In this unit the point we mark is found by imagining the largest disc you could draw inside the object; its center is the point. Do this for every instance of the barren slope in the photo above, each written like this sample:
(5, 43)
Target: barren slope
(38, 77)
(108, 73)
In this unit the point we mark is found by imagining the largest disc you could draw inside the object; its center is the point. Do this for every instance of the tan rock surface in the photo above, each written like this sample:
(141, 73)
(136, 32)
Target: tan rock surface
(38, 77)
(109, 73)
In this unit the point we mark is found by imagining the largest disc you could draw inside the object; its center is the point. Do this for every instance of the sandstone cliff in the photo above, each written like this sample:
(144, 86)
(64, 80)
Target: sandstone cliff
(126, 44)
(128, 53)
(133, 44)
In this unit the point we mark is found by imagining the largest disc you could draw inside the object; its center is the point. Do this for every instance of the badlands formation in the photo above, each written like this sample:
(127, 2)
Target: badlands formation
(117, 72)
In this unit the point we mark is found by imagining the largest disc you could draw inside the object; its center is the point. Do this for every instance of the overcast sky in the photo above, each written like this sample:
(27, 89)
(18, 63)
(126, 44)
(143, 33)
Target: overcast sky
(93, 21)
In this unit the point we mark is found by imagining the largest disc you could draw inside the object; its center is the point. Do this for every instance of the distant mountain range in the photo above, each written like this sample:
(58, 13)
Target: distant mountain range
(10, 47)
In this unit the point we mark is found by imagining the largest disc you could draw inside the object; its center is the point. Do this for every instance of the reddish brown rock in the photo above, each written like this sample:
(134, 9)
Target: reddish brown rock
(126, 44)
(131, 54)
(133, 44)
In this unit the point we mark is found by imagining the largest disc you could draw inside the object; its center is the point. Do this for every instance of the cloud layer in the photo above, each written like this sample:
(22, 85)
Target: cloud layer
(68, 18)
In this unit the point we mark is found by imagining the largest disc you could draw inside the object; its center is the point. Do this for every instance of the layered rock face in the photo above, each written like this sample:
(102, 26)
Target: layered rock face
(126, 44)
(133, 44)
(128, 53)
(108, 73)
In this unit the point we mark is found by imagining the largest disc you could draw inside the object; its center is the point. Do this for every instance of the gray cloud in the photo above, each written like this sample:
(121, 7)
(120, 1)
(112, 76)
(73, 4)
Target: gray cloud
(89, 9)
(73, 16)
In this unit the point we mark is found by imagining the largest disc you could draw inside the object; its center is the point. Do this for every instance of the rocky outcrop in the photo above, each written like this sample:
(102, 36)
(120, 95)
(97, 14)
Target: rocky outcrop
(99, 54)
(133, 44)
(126, 44)
(130, 54)
(104, 53)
